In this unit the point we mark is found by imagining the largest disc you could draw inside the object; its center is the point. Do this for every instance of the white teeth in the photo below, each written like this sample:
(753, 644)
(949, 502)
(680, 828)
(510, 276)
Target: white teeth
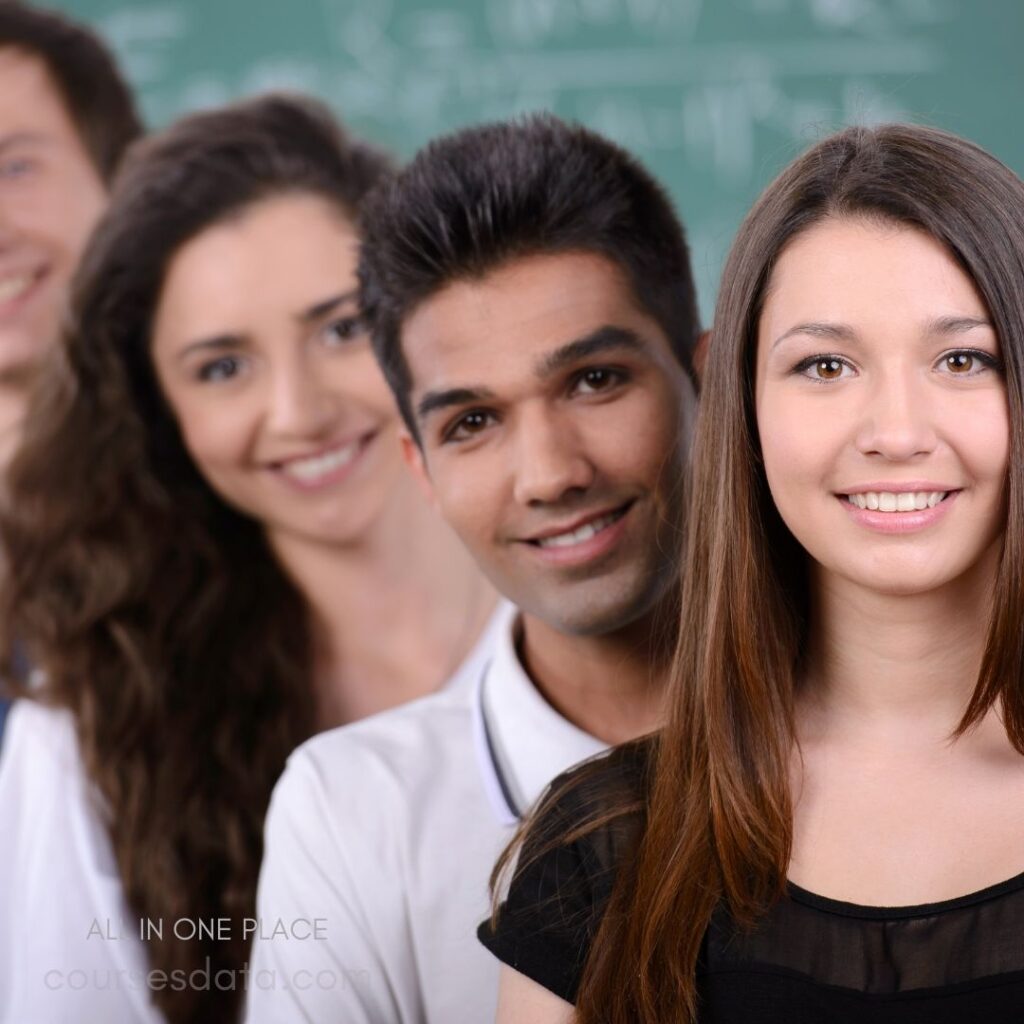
(897, 501)
(13, 287)
(309, 470)
(582, 533)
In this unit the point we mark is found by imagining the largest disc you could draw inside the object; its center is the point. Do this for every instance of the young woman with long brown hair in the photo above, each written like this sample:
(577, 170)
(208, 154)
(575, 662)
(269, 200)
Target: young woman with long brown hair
(213, 550)
(830, 826)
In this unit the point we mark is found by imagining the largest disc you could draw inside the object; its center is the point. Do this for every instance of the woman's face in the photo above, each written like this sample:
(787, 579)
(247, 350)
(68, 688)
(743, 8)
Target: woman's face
(881, 406)
(261, 354)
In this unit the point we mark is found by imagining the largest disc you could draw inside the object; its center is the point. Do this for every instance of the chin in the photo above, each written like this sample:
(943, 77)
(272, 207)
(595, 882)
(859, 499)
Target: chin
(600, 612)
(894, 581)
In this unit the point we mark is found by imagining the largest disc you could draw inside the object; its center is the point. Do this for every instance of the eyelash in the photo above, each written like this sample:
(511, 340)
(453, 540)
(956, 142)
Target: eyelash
(614, 376)
(448, 435)
(207, 373)
(988, 361)
(352, 327)
(16, 167)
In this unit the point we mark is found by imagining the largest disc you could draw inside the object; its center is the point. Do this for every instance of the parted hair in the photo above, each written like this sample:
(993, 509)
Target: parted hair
(473, 200)
(86, 76)
(155, 612)
(716, 809)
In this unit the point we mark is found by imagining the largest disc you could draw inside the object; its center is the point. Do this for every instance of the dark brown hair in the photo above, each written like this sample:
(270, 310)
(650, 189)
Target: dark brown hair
(471, 201)
(156, 612)
(717, 812)
(86, 76)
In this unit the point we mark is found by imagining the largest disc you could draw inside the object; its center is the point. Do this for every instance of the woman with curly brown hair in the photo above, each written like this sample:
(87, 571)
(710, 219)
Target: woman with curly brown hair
(213, 551)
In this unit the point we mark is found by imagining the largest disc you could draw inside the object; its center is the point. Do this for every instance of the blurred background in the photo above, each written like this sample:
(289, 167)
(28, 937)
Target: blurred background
(714, 95)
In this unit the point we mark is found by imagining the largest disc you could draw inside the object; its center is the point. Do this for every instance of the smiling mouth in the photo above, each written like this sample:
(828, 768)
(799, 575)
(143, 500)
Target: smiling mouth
(16, 286)
(581, 534)
(896, 501)
(314, 468)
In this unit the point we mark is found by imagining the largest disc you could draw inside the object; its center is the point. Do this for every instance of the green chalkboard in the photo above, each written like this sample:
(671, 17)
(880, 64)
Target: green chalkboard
(715, 95)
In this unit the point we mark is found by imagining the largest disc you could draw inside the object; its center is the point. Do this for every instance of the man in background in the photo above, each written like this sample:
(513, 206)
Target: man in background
(66, 119)
(530, 294)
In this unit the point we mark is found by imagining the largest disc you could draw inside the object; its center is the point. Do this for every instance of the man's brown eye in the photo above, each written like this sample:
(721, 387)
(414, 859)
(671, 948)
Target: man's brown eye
(474, 421)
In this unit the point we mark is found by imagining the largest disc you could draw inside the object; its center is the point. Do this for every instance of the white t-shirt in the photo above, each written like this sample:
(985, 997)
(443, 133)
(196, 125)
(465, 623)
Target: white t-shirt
(380, 840)
(68, 953)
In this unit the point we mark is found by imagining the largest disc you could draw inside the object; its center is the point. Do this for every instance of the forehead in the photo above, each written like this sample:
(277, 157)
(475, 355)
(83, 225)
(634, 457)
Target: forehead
(495, 328)
(29, 99)
(869, 273)
(274, 259)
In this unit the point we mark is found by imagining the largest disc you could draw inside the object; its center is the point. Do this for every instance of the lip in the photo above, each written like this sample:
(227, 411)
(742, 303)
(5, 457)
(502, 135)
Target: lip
(279, 466)
(13, 307)
(588, 550)
(897, 487)
(575, 524)
(899, 522)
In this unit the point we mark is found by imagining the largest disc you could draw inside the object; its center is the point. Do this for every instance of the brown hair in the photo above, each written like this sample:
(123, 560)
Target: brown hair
(86, 76)
(157, 613)
(717, 812)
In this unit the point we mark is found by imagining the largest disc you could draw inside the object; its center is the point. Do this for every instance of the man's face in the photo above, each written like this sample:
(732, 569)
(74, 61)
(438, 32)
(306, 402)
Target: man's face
(50, 198)
(550, 409)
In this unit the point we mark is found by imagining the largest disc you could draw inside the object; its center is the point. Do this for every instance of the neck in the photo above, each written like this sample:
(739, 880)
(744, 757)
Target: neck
(394, 612)
(895, 664)
(610, 686)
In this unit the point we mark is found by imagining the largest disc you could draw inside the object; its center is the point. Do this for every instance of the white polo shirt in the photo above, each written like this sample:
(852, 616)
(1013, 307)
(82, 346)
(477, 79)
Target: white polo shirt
(67, 950)
(380, 840)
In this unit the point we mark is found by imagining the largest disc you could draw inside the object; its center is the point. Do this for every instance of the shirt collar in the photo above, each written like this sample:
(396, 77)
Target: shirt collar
(532, 742)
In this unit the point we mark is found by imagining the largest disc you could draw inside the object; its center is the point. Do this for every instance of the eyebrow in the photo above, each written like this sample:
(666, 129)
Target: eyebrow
(16, 139)
(434, 401)
(218, 343)
(321, 309)
(227, 342)
(843, 332)
(957, 324)
(604, 339)
(818, 329)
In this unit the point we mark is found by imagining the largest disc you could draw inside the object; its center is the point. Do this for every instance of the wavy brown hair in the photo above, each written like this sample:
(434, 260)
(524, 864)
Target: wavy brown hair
(156, 612)
(716, 812)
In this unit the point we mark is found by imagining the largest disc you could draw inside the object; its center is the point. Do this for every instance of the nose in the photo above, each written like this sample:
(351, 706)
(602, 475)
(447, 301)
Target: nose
(550, 460)
(300, 404)
(897, 423)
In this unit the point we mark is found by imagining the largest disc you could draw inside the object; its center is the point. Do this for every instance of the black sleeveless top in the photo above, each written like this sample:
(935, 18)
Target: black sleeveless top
(811, 960)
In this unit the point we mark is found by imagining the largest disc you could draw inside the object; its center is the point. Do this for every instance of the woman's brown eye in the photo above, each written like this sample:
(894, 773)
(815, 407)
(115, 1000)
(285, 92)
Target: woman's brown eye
(960, 362)
(829, 369)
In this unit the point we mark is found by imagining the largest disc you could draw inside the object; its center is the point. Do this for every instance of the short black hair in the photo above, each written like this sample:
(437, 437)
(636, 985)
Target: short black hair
(473, 200)
(86, 76)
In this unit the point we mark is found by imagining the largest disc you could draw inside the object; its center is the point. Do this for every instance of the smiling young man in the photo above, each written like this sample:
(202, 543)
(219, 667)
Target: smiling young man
(530, 293)
(66, 118)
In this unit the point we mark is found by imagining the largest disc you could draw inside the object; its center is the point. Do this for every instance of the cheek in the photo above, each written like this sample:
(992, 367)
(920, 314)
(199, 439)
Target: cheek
(471, 495)
(639, 439)
(982, 435)
(784, 441)
(355, 377)
(801, 448)
(216, 439)
(61, 214)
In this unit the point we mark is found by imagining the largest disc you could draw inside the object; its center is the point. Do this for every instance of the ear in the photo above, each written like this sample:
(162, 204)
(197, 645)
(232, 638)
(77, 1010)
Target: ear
(413, 455)
(700, 353)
